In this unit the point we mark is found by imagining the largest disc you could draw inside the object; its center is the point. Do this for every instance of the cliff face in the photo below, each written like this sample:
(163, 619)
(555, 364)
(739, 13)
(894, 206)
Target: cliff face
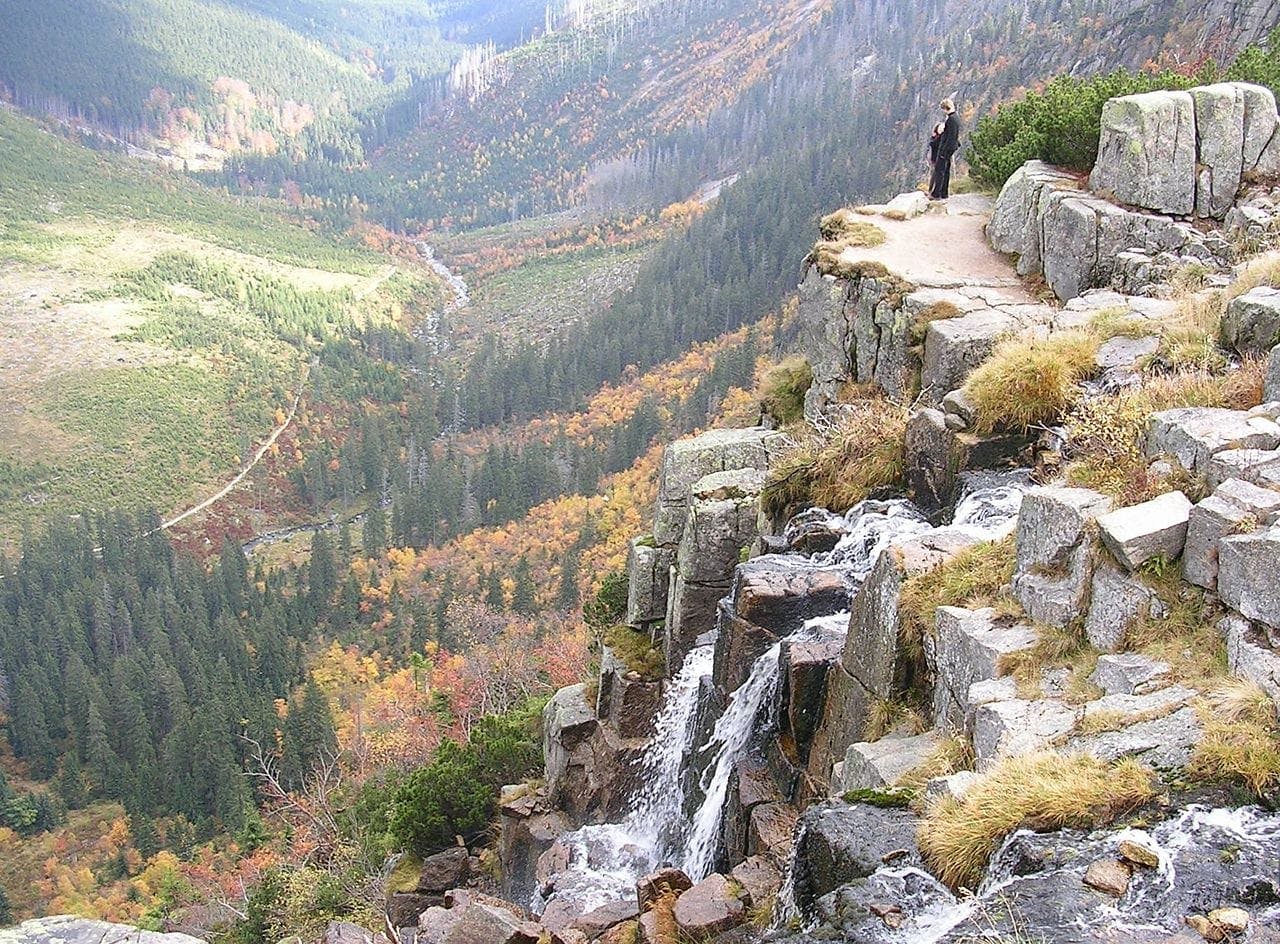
(991, 644)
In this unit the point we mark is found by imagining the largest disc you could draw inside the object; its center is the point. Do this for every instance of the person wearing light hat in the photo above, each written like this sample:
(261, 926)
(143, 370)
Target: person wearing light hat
(948, 143)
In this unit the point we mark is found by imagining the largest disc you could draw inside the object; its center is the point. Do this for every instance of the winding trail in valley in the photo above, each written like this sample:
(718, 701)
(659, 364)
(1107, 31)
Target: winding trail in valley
(249, 467)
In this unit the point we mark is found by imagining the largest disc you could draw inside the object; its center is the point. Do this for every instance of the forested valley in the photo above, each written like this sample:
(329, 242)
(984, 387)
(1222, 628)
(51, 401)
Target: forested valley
(229, 724)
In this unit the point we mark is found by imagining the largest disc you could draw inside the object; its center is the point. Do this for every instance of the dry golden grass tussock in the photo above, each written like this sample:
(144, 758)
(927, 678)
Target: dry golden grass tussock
(1055, 648)
(1261, 270)
(1027, 381)
(1119, 323)
(842, 230)
(1241, 742)
(885, 716)
(954, 753)
(1041, 791)
(1106, 433)
(841, 461)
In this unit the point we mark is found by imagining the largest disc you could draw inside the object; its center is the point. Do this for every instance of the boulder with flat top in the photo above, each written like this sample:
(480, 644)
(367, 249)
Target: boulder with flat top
(1147, 152)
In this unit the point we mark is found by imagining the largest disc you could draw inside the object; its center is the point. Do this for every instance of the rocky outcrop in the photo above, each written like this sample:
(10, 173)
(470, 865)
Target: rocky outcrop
(626, 701)
(1247, 575)
(528, 826)
(1056, 551)
(870, 658)
(1163, 157)
(1235, 506)
(587, 763)
(648, 577)
(1184, 152)
(846, 842)
(878, 765)
(709, 907)
(967, 649)
(1251, 324)
(722, 522)
(1192, 436)
(686, 461)
(69, 929)
(770, 598)
(1128, 674)
(1147, 153)
(1117, 602)
(470, 918)
(1153, 529)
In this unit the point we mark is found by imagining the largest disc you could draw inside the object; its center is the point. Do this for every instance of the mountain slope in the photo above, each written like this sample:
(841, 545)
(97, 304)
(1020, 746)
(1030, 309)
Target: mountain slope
(156, 333)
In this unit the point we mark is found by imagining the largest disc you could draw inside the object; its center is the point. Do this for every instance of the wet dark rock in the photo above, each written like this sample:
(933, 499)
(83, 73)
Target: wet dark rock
(813, 531)
(806, 666)
(709, 907)
(528, 827)
(842, 842)
(857, 912)
(595, 923)
(655, 885)
(403, 908)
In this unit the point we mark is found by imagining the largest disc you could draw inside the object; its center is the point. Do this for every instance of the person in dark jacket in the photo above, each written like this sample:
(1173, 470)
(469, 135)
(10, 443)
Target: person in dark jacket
(948, 143)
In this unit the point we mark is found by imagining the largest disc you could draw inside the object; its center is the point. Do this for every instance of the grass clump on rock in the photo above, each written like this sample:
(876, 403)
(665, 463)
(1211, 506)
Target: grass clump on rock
(1105, 434)
(972, 578)
(783, 388)
(842, 230)
(1028, 381)
(1043, 791)
(636, 651)
(938, 311)
(1241, 742)
(841, 461)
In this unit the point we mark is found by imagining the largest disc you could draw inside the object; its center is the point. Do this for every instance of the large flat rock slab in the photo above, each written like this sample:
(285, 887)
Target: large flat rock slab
(941, 250)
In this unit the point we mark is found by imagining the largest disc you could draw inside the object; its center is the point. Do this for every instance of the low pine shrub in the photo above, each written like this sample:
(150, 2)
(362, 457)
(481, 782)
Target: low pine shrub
(1060, 123)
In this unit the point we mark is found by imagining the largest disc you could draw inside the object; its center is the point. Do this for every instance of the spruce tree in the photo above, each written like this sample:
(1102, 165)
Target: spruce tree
(322, 575)
(309, 737)
(523, 597)
(374, 535)
(567, 598)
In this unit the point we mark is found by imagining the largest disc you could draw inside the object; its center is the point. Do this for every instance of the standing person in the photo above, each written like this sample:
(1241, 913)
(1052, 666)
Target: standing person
(948, 145)
(934, 138)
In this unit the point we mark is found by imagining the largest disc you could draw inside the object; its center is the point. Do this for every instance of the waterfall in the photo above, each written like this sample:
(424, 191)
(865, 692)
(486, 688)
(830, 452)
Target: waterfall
(730, 739)
(732, 733)
(657, 810)
(604, 861)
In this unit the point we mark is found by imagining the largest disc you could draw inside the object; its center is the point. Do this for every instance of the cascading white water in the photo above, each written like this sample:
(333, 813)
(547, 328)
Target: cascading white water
(729, 739)
(869, 526)
(658, 808)
(732, 734)
(990, 513)
(1249, 831)
(605, 860)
